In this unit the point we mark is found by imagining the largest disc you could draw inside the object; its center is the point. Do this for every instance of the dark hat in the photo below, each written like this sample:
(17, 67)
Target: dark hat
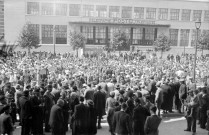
(90, 103)
(36, 90)
(26, 93)
(130, 93)
(121, 92)
(151, 77)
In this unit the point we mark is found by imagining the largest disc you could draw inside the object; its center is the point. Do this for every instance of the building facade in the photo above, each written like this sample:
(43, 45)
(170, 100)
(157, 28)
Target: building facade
(1, 20)
(142, 20)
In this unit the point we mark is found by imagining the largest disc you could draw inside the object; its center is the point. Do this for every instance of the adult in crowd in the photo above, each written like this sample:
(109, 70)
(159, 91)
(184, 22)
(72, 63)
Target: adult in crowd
(99, 99)
(121, 122)
(182, 93)
(152, 122)
(6, 124)
(56, 120)
(25, 113)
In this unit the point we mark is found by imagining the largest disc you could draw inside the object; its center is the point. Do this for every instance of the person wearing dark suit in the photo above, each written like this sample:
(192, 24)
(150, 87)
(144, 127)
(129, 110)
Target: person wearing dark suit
(6, 125)
(48, 103)
(121, 122)
(182, 93)
(176, 96)
(140, 114)
(152, 122)
(25, 113)
(80, 119)
(2, 103)
(56, 120)
(152, 88)
(37, 113)
(99, 100)
(92, 118)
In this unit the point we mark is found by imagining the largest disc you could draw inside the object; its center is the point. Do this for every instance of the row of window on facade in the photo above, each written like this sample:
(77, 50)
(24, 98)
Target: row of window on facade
(114, 11)
(103, 34)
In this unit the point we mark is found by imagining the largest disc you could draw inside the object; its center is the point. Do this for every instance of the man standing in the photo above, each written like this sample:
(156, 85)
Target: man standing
(6, 125)
(56, 120)
(152, 123)
(99, 104)
(121, 122)
(80, 119)
(182, 93)
(48, 103)
(191, 115)
(25, 113)
(139, 117)
(158, 97)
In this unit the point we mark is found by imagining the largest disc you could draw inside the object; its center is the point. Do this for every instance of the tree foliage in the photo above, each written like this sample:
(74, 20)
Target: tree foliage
(28, 38)
(162, 44)
(77, 40)
(203, 41)
(6, 50)
(120, 41)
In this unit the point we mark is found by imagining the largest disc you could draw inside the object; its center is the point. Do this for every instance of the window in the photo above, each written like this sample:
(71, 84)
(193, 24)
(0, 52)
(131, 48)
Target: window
(149, 33)
(126, 12)
(137, 36)
(173, 33)
(206, 18)
(61, 34)
(197, 15)
(174, 14)
(47, 8)
(88, 32)
(35, 28)
(111, 31)
(47, 34)
(194, 37)
(185, 15)
(61, 9)
(138, 13)
(88, 10)
(101, 11)
(184, 41)
(114, 12)
(163, 14)
(74, 10)
(151, 13)
(100, 35)
(33, 8)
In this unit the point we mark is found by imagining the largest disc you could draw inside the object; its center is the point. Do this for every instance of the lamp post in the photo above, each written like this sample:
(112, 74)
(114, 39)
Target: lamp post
(197, 25)
(54, 38)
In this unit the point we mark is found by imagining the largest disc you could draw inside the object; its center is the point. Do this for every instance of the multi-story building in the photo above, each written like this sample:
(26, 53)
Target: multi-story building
(1, 20)
(143, 20)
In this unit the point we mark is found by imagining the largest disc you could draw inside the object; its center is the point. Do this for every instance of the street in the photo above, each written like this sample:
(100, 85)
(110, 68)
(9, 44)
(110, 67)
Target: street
(172, 124)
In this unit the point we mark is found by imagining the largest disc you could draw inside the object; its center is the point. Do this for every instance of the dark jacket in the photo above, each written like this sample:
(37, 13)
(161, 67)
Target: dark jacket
(92, 120)
(80, 119)
(152, 87)
(56, 120)
(151, 125)
(26, 108)
(121, 123)
(139, 117)
(6, 126)
(99, 102)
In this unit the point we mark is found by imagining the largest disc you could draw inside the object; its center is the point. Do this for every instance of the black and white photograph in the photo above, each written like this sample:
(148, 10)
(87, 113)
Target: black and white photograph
(104, 67)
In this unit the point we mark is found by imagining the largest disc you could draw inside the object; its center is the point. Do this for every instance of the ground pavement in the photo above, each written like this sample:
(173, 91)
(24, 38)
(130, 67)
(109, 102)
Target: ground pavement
(172, 124)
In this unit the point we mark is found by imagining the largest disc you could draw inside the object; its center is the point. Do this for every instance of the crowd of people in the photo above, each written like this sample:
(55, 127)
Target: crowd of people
(56, 93)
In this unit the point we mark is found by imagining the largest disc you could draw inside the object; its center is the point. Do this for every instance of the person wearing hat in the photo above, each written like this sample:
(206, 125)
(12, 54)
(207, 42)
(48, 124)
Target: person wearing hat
(92, 119)
(6, 125)
(99, 99)
(10, 101)
(37, 113)
(158, 97)
(25, 113)
(182, 93)
(49, 101)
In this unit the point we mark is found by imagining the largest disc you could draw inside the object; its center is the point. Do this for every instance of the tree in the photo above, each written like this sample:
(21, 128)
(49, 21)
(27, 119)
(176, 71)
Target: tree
(77, 40)
(6, 51)
(162, 44)
(120, 41)
(203, 41)
(28, 38)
